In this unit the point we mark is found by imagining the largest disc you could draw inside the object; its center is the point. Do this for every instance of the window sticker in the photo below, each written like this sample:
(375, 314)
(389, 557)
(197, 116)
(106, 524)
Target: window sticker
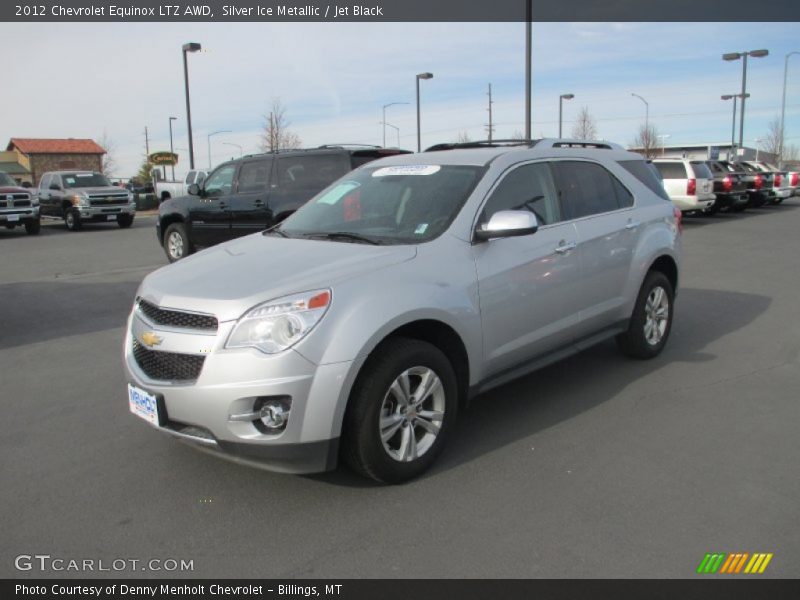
(84, 174)
(70, 180)
(421, 229)
(407, 170)
(335, 194)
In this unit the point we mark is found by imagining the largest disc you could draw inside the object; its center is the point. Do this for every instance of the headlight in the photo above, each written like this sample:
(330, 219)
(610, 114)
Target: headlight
(34, 200)
(80, 200)
(279, 324)
(130, 197)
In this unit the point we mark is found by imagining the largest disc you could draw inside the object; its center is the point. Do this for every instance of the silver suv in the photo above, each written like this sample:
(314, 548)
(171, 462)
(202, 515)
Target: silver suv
(359, 326)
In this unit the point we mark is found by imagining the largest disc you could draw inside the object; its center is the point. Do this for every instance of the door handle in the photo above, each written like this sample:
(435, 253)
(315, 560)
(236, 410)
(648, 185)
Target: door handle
(259, 203)
(632, 224)
(565, 247)
(222, 205)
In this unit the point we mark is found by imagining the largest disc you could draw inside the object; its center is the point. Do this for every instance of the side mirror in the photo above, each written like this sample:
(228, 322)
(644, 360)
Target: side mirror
(508, 223)
(193, 189)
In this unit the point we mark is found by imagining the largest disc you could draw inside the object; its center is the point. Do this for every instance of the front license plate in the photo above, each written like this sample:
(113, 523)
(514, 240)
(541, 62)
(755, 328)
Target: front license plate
(111, 217)
(12, 218)
(143, 404)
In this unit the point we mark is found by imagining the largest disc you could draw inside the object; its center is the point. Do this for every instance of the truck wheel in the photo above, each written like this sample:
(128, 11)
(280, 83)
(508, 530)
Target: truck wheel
(651, 320)
(124, 220)
(72, 219)
(176, 242)
(401, 410)
(33, 227)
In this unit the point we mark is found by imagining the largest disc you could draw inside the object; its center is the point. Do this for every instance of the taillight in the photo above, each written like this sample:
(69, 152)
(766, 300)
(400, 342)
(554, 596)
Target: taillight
(793, 179)
(678, 218)
(727, 184)
(759, 182)
(691, 187)
(778, 179)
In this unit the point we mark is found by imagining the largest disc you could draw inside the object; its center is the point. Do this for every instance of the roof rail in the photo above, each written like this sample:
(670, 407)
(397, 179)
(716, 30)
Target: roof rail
(334, 146)
(481, 144)
(568, 143)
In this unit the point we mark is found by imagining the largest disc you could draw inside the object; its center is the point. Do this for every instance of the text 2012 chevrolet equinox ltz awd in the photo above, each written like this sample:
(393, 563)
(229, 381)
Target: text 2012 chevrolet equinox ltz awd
(359, 326)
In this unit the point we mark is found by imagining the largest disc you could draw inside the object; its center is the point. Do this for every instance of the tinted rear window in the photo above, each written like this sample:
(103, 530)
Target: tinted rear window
(671, 170)
(647, 174)
(701, 170)
(312, 172)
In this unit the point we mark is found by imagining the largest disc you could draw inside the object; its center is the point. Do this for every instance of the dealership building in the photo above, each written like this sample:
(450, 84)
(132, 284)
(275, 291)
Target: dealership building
(26, 159)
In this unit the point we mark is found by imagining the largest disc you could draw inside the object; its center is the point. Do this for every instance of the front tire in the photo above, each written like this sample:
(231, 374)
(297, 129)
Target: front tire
(176, 242)
(33, 227)
(72, 219)
(124, 220)
(651, 321)
(401, 411)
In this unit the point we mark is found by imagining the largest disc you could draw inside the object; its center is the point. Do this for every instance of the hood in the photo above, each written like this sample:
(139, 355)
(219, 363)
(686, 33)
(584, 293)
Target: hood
(230, 278)
(11, 189)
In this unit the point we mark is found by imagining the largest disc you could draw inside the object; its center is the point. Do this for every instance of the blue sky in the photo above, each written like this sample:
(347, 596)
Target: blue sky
(333, 79)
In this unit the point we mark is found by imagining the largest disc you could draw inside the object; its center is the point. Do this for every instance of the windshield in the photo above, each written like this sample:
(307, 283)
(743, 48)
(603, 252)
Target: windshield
(5, 179)
(84, 180)
(389, 205)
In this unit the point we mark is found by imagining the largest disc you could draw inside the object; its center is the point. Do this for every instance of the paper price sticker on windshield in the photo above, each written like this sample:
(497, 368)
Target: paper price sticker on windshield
(407, 170)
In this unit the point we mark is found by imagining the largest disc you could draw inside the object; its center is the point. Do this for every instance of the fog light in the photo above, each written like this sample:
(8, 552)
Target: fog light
(274, 415)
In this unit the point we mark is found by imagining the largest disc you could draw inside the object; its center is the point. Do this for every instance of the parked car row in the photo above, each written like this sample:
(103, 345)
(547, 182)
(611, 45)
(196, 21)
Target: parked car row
(709, 186)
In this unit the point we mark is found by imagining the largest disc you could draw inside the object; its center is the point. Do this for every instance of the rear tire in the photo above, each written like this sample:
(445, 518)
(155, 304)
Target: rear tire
(33, 227)
(72, 219)
(176, 242)
(651, 321)
(401, 410)
(124, 220)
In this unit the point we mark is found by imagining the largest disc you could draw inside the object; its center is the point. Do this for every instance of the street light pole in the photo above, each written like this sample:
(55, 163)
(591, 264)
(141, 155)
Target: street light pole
(783, 106)
(561, 99)
(190, 47)
(171, 148)
(241, 152)
(397, 130)
(419, 128)
(385, 106)
(743, 55)
(209, 144)
(733, 97)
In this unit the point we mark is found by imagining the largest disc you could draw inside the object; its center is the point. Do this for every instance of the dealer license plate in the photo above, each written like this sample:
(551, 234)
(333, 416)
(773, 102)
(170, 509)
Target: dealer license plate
(111, 217)
(11, 218)
(143, 404)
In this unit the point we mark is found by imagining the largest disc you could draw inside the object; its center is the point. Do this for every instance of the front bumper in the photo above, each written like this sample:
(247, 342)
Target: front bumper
(19, 215)
(234, 382)
(91, 213)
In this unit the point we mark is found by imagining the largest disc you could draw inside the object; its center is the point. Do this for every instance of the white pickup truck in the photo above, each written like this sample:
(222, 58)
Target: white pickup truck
(174, 189)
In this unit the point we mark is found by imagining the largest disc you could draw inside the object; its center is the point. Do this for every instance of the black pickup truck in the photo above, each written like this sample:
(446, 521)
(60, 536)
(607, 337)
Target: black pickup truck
(730, 186)
(253, 193)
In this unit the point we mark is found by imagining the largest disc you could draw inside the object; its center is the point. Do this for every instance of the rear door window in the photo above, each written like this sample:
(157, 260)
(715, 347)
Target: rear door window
(312, 172)
(586, 188)
(647, 174)
(671, 170)
(254, 176)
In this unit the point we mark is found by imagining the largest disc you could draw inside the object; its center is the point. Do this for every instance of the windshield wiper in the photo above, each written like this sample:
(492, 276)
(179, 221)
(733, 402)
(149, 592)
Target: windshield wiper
(345, 235)
(276, 229)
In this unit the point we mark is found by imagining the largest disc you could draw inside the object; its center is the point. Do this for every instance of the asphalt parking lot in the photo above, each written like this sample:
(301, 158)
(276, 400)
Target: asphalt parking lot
(598, 466)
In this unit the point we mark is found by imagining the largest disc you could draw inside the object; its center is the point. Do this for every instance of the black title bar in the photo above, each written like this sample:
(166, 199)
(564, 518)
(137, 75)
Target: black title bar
(398, 10)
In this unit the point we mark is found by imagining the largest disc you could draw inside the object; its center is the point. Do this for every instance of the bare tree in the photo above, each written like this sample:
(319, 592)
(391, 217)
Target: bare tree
(646, 140)
(109, 160)
(276, 135)
(585, 127)
(791, 153)
(517, 135)
(772, 142)
(463, 137)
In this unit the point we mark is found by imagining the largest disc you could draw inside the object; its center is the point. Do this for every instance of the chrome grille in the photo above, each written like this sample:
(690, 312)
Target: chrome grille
(176, 318)
(167, 366)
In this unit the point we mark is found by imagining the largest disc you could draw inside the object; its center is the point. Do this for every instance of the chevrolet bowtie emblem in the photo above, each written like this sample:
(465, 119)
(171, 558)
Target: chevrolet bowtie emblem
(150, 339)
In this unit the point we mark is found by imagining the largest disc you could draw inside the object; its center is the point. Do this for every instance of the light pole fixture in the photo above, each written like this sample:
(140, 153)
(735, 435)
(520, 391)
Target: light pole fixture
(396, 128)
(241, 152)
(561, 99)
(385, 106)
(171, 148)
(743, 55)
(419, 129)
(783, 106)
(734, 97)
(209, 143)
(646, 111)
(189, 47)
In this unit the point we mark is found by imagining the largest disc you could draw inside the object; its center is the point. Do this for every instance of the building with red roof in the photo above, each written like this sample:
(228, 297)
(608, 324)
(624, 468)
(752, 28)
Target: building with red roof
(39, 155)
